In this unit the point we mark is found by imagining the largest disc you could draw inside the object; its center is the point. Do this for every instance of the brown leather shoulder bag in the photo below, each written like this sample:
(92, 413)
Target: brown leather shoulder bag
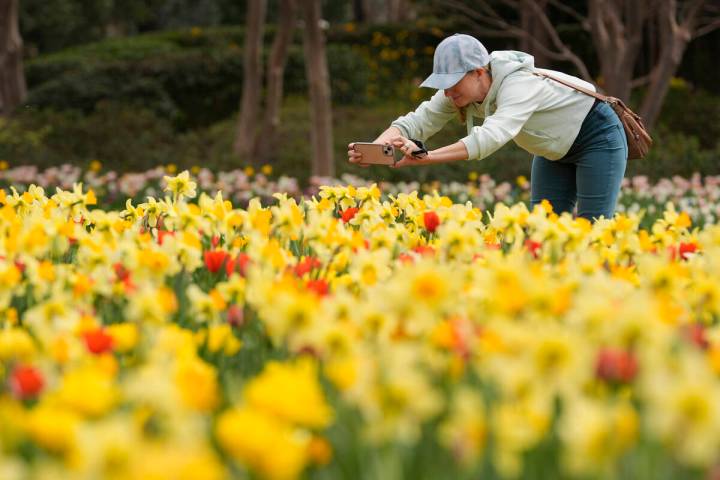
(638, 138)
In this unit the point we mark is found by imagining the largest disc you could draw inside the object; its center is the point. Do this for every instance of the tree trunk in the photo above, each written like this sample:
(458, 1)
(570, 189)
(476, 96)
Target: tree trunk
(530, 23)
(13, 89)
(616, 27)
(319, 85)
(674, 38)
(265, 145)
(252, 79)
(399, 11)
(359, 11)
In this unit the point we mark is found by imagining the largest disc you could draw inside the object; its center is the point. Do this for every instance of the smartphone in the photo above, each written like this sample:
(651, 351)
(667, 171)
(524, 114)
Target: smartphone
(375, 153)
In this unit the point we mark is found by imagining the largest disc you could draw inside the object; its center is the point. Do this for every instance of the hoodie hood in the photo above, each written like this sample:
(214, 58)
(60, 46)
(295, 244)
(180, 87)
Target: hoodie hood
(503, 63)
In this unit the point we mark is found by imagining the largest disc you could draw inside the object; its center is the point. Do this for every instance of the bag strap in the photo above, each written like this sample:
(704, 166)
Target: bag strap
(577, 87)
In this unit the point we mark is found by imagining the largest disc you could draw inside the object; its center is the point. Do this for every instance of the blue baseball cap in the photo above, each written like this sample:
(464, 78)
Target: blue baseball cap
(454, 57)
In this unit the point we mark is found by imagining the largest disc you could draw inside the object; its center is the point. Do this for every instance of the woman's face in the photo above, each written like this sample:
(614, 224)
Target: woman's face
(473, 87)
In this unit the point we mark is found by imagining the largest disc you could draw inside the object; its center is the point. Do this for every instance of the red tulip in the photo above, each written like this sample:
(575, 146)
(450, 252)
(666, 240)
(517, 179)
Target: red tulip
(697, 335)
(26, 382)
(431, 221)
(348, 214)
(214, 259)
(307, 266)
(424, 250)
(235, 315)
(214, 241)
(320, 287)
(682, 251)
(97, 341)
(406, 258)
(533, 247)
(616, 365)
(240, 263)
(161, 234)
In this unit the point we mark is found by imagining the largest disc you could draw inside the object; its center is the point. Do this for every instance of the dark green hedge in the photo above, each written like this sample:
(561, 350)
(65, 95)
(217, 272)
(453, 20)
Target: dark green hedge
(194, 76)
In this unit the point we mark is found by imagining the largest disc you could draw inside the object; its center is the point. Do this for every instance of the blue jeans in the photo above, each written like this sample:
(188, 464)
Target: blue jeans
(590, 173)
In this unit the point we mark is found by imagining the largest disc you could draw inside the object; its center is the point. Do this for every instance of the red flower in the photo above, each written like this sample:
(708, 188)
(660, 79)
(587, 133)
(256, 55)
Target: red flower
(161, 234)
(533, 247)
(26, 382)
(424, 250)
(123, 275)
(97, 341)
(615, 365)
(214, 241)
(235, 315)
(214, 259)
(320, 286)
(307, 266)
(406, 258)
(431, 221)
(683, 251)
(121, 272)
(348, 214)
(697, 335)
(241, 263)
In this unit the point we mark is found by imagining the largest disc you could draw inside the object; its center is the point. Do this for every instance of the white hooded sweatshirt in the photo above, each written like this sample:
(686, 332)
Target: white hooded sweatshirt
(541, 115)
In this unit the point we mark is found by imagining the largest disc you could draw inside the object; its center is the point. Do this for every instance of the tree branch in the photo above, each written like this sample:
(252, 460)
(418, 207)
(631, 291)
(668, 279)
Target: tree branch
(705, 29)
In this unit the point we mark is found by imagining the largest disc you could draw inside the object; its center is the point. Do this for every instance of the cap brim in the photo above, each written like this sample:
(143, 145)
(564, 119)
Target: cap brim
(441, 81)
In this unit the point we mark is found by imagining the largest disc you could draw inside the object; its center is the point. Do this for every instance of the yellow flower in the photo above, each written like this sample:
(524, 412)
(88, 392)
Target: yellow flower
(52, 428)
(125, 336)
(15, 343)
(181, 185)
(89, 391)
(220, 337)
(197, 382)
(291, 392)
(343, 372)
(267, 169)
(263, 442)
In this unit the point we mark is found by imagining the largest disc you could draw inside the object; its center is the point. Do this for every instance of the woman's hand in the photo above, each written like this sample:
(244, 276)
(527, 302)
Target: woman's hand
(407, 146)
(355, 156)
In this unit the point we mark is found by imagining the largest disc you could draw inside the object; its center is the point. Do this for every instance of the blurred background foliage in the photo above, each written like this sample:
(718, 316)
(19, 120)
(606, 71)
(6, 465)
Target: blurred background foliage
(139, 83)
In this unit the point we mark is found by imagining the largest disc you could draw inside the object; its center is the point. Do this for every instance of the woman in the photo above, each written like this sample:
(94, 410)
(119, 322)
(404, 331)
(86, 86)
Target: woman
(578, 144)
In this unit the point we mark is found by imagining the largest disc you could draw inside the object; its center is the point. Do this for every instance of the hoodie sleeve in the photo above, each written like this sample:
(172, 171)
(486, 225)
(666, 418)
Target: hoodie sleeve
(517, 99)
(428, 118)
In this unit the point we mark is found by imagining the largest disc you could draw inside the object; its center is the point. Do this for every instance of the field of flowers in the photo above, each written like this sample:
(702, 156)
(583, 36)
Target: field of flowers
(355, 333)
(698, 196)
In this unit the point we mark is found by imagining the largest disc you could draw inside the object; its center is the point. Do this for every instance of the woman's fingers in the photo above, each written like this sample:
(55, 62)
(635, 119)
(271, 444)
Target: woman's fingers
(355, 157)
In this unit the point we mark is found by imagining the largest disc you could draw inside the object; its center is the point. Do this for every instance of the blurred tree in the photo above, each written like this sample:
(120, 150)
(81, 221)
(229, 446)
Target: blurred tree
(678, 24)
(252, 80)
(383, 11)
(12, 77)
(533, 25)
(265, 146)
(619, 30)
(319, 84)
